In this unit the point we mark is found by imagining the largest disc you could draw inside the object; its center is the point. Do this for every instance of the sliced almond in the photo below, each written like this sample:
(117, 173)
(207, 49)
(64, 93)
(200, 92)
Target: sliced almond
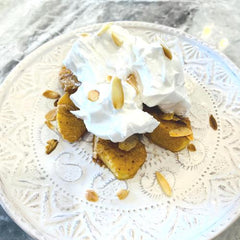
(104, 29)
(51, 145)
(51, 94)
(129, 143)
(51, 115)
(122, 194)
(180, 132)
(190, 137)
(93, 95)
(50, 125)
(55, 103)
(167, 52)
(91, 196)
(133, 82)
(109, 78)
(213, 122)
(117, 93)
(164, 184)
(116, 39)
(191, 147)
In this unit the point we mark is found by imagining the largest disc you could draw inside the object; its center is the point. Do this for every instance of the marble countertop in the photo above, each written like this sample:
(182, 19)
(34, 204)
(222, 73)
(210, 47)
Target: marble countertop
(27, 24)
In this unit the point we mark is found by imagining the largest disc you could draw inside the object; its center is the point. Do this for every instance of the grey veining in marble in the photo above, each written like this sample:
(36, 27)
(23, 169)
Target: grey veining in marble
(27, 24)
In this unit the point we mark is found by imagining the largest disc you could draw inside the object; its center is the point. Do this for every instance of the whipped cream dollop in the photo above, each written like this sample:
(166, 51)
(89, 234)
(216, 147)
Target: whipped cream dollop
(113, 52)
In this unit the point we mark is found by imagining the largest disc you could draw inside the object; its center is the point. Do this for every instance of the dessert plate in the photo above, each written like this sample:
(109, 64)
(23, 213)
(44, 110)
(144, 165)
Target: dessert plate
(45, 194)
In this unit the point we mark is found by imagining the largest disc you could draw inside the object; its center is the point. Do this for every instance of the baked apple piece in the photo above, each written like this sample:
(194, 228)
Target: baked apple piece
(123, 164)
(173, 133)
(70, 127)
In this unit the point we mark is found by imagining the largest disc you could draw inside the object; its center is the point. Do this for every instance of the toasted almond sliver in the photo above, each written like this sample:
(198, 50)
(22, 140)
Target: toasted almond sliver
(51, 115)
(84, 34)
(190, 137)
(51, 145)
(50, 125)
(167, 52)
(91, 196)
(191, 147)
(180, 132)
(55, 103)
(117, 40)
(51, 94)
(109, 78)
(93, 95)
(133, 82)
(117, 93)
(164, 184)
(104, 29)
(129, 143)
(122, 194)
(213, 122)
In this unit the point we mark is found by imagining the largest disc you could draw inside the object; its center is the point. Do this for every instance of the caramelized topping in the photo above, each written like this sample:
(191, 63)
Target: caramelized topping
(68, 81)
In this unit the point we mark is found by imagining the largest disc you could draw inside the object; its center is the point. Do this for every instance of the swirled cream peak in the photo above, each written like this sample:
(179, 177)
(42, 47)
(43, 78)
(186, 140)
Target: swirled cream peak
(146, 75)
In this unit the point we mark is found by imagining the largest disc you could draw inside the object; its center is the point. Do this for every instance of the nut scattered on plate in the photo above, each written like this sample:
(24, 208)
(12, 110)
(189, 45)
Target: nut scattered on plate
(122, 194)
(191, 147)
(167, 52)
(213, 122)
(51, 145)
(51, 115)
(50, 125)
(164, 184)
(91, 196)
(51, 94)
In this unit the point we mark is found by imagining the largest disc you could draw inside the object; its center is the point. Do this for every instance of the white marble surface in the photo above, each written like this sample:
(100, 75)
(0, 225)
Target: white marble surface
(27, 24)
